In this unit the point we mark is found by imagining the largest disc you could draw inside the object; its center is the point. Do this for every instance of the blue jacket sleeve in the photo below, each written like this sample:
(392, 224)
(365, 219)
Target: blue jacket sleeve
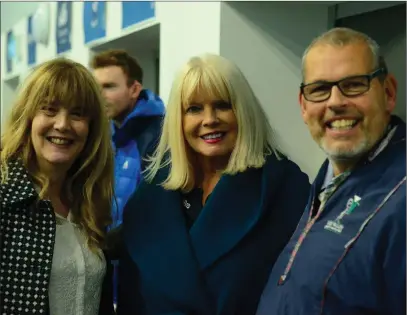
(394, 261)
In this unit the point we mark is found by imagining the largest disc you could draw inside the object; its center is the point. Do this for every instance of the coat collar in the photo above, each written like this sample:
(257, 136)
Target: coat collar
(18, 187)
(157, 239)
(234, 208)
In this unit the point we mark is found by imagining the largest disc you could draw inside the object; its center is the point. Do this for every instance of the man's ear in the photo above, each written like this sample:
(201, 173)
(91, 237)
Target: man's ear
(135, 89)
(390, 90)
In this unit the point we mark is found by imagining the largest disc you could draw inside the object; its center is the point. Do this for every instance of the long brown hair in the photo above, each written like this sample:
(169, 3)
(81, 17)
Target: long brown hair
(90, 180)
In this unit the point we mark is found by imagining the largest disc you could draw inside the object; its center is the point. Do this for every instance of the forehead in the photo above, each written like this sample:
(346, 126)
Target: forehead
(202, 94)
(204, 97)
(328, 62)
(68, 91)
(109, 74)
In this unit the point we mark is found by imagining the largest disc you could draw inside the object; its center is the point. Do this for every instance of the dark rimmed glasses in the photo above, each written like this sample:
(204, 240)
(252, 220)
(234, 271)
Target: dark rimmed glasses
(351, 86)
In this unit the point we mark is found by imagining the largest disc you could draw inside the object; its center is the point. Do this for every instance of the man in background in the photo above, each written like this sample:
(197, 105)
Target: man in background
(136, 114)
(348, 254)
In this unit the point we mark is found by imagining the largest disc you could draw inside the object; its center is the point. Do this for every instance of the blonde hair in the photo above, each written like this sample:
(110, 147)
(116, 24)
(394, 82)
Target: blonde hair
(219, 78)
(89, 183)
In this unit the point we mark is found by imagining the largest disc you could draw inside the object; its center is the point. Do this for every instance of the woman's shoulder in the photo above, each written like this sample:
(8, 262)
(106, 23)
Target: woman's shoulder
(17, 186)
(280, 166)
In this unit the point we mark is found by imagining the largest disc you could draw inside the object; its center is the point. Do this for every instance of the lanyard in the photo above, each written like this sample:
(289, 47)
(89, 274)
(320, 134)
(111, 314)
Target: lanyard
(323, 196)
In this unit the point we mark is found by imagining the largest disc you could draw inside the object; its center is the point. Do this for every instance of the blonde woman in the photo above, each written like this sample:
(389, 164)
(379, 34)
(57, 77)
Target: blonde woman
(56, 195)
(218, 205)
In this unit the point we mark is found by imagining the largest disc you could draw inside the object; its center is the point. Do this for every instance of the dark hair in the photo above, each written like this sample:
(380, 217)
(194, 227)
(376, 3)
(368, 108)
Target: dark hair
(119, 58)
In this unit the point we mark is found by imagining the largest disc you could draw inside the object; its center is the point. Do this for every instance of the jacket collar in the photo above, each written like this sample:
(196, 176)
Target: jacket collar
(18, 188)
(147, 105)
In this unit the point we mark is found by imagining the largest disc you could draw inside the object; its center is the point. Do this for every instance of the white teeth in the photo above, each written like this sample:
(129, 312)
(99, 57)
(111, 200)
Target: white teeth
(343, 124)
(59, 141)
(213, 136)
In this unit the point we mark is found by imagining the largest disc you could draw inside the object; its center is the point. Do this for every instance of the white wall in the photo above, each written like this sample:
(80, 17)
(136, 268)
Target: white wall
(187, 29)
(147, 63)
(268, 47)
(13, 11)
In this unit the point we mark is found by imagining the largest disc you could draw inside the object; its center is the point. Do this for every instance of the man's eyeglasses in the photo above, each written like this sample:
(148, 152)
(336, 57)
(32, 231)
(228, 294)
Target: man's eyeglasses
(351, 86)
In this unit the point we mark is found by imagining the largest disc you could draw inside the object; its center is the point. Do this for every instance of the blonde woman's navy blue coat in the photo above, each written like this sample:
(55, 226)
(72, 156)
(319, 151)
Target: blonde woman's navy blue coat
(347, 273)
(220, 266)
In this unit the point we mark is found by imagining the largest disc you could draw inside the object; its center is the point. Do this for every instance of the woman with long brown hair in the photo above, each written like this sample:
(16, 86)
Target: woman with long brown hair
(56, 194)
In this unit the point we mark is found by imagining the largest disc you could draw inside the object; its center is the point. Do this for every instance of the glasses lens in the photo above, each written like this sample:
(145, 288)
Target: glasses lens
(354, 86)
(317, 91)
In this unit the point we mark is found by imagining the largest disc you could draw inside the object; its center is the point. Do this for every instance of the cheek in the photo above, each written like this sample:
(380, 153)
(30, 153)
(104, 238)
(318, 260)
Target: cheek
(82, 130)
(313, 114)
(188, 125)
(229, 118)
(371, 106)
(37, 128)
(35, 135)
(187, 131)
(115, 96)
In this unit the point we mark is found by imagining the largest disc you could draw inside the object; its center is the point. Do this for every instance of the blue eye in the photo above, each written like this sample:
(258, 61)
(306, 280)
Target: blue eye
(222, 105)
(194, 109)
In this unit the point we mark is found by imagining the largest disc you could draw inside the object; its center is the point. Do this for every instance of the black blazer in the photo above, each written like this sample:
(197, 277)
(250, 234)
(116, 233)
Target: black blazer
(220, 265)
(26, 248)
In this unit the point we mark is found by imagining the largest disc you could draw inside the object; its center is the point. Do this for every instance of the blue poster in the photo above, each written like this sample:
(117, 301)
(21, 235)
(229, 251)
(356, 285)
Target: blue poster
(11, 51)
(64, 26)
(94, 20)
(137, 11)
(32, 46)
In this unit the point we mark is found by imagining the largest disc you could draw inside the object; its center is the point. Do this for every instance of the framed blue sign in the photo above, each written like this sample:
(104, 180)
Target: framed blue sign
(11, 51)
(94, 20)
(64, 26)
(137, 11)
(32, 45)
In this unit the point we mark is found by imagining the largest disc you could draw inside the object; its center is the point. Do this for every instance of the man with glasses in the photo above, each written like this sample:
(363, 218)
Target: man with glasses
(348, 254)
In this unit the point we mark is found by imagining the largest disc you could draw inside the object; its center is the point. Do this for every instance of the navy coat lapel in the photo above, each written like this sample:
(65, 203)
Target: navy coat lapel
(157, 239)
(235, 206)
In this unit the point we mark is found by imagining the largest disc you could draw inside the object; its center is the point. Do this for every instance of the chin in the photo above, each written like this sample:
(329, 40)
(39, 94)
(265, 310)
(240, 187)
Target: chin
(346, 152)
(216, 154)
(60, 160)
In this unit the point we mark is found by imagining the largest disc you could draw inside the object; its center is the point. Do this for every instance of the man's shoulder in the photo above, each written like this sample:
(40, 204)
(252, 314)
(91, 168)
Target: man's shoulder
(148, 139)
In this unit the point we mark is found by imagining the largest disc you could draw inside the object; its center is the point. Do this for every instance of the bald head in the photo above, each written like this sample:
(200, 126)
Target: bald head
(341, 37)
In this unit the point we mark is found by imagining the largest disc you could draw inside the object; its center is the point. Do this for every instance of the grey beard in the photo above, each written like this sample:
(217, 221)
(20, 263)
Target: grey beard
(347, 155)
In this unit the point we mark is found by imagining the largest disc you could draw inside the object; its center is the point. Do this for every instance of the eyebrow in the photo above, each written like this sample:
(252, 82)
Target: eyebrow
(108, 84)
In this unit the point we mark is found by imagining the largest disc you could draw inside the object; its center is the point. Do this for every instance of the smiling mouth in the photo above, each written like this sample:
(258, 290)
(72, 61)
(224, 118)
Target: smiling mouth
(59, 141)
(216, 135)
(213, 137)
(342, 124)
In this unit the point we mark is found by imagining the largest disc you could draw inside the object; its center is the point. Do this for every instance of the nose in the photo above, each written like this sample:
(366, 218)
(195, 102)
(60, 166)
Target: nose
(210, 117)
(62, 121)
(337, 99)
